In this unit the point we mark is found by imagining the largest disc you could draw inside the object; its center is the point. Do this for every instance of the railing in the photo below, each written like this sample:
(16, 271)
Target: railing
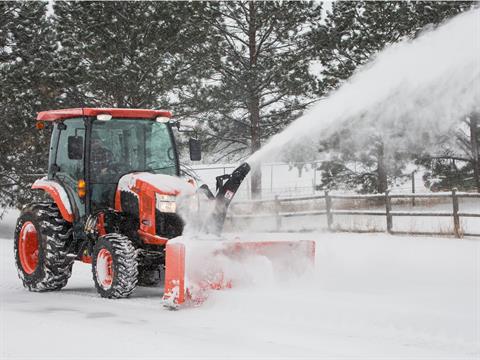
(386, 199)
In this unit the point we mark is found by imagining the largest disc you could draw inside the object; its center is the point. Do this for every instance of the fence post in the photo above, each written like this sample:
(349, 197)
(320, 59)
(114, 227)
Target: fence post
(456, 218)
(328, 207)
(278, 218)
(388, 209)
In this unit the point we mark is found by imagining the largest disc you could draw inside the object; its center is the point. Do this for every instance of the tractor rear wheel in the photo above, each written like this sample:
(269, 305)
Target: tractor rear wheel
(40, 247)
(114, 266)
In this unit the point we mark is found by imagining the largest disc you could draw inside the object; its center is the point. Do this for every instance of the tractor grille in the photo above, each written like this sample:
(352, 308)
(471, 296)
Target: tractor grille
(168, 225)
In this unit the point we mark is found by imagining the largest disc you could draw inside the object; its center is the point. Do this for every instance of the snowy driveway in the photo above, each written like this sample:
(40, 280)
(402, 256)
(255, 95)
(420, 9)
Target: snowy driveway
(371, 296)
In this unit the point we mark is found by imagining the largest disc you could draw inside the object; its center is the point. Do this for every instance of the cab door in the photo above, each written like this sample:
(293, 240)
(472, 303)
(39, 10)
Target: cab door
(69, 161)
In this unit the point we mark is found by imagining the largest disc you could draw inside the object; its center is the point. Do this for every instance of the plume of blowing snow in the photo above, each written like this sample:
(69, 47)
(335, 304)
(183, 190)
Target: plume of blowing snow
(410, 90)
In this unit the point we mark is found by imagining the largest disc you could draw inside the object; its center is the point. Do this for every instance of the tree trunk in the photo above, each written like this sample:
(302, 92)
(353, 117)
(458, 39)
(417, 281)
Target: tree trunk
(254, 100)
(474, 126)
(382, 183)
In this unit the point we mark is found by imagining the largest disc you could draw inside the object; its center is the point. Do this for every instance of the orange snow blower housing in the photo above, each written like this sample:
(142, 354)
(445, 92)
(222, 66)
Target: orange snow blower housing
(117, 201)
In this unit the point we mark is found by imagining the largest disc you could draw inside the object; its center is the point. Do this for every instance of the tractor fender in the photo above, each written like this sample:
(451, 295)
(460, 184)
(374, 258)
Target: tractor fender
(58, 194)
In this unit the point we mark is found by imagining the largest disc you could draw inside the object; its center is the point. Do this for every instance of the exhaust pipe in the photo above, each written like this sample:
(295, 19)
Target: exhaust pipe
(227, 186)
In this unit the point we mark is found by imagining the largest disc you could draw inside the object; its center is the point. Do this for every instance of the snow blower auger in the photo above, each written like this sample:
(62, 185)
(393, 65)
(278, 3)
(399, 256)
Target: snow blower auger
(114, 201)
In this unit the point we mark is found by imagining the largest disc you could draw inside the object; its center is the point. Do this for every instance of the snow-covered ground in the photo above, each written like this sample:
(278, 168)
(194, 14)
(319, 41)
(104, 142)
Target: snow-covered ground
(371, 296)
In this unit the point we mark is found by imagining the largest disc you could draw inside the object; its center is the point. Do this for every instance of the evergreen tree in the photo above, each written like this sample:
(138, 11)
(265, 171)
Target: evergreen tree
(351, 36)
(30, 83)
(354, 31)
(456, 163)
(365, 169)
(261, 77)
(130, 54)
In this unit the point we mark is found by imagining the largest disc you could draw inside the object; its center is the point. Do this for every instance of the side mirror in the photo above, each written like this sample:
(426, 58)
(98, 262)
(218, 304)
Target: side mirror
(75, 147)
(195, 147)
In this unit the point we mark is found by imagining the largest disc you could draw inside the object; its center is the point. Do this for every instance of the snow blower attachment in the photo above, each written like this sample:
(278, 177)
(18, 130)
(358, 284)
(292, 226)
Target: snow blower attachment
(194, 267)
(121, 211)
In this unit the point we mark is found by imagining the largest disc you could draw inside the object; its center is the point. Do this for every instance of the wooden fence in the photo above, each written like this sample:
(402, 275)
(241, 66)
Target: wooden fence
(386, 199)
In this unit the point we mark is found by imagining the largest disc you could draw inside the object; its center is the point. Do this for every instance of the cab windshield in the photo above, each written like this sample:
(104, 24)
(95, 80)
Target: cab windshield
(122, 146)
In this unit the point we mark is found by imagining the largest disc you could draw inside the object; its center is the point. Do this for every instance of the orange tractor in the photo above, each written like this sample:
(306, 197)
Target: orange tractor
(115, 202)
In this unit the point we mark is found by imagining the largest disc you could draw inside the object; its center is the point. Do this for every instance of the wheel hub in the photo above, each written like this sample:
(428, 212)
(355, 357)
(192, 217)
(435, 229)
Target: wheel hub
(28, 247)
(104, 269)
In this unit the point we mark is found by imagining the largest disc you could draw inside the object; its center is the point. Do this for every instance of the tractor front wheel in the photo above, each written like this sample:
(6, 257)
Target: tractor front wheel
(114, 266)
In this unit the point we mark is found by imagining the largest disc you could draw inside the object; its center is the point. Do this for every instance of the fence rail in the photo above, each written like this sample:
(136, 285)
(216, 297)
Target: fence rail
(388, 213)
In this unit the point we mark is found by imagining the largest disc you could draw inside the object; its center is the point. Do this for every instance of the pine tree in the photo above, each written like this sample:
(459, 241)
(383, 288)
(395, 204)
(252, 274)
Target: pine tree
(367, 166)
(130, 54)
(262, 79)
(87, 54)
(30, 83)
(456, 163)
(353, 33)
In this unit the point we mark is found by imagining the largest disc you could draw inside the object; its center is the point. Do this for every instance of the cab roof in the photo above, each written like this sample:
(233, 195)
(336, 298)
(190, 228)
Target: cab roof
(53, 115)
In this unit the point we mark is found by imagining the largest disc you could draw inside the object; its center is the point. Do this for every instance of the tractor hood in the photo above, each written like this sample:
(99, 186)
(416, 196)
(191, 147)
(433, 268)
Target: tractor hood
(153, 199)
(144, 182)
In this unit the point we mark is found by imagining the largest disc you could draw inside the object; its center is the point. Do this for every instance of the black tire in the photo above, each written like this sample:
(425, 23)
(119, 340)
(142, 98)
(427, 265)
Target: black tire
(124, 266)
(148, 276)
(54, 266)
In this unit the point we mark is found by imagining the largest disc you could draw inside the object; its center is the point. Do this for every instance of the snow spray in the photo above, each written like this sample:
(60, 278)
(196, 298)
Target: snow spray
(211, 218)
(410, 90)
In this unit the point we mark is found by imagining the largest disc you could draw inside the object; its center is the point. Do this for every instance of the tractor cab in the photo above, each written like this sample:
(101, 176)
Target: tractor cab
(114, 148)
(92, 149)
(122, 146)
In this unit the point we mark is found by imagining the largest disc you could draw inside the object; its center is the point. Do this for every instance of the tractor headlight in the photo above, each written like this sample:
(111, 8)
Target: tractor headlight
(166, 203)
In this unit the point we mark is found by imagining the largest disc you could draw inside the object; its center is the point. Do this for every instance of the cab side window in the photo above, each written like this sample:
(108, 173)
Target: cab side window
(70, 156)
